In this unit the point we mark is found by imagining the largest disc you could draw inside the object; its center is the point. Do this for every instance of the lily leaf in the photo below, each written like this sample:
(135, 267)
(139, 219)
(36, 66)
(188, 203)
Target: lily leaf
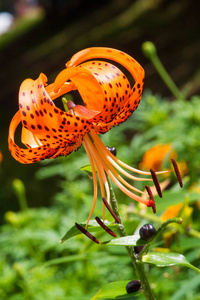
(114, 290)
(88, 170)
(129, 240)
(161, 259)
(93, 226)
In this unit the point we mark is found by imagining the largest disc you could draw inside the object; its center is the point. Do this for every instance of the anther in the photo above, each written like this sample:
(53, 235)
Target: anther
(178, 175)
(110, 210)
(84, 231)
(156, 182)
(112, 150)
(70, 104)
(151, 201)
(108, 230)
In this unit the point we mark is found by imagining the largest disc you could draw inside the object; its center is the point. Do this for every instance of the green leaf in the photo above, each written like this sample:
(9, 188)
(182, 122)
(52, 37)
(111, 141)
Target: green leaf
(65, 259)
(114, 290)
(129, 240)
(161, 259)
(92, 227)
(88, 170)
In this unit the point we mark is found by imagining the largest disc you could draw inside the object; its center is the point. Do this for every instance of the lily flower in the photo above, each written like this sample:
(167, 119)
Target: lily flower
(109, 99)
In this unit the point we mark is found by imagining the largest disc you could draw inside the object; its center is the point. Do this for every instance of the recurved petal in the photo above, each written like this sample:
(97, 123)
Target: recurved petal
(108, 53)
(102, 86)
(26, 156)
(50, 125)
(34, 152)
(115, 88)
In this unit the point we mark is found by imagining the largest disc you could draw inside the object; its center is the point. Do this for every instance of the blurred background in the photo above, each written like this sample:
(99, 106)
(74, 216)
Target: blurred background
(42, 35)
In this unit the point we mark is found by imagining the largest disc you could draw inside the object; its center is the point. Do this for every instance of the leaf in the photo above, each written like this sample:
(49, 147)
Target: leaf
(114, 290)
(167, 259)
(65, 259)
(129, 240)
(92, 227)
(87, 169)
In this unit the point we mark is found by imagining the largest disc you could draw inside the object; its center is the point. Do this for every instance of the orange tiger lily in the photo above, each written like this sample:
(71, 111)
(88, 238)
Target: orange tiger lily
(109, 100)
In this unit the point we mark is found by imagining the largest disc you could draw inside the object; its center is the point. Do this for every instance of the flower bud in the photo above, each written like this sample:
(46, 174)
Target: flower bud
(147, 232)
(112, 150)
(138, 249)
(133, 286)
(149, 49)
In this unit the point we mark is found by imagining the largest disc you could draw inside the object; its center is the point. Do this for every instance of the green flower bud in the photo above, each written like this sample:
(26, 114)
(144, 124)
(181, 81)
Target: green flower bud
(149, 49)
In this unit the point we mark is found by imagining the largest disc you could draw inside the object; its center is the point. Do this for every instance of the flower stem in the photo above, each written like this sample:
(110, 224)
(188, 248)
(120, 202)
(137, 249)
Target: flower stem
(149, 50)
(19, 190)
(138, 265)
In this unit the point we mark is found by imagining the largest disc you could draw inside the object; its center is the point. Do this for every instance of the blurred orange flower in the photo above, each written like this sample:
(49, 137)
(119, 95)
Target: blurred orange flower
(1, 157)
(172, 212)
(154, 157)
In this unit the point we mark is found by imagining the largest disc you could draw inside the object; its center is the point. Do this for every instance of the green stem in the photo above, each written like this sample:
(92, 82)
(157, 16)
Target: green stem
(19, 190)
(138, 265)
(165, 77)
(149, 50)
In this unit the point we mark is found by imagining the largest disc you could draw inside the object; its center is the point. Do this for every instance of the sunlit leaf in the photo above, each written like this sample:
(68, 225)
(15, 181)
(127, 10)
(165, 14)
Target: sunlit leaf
(129, 240)
(161, 259)
(114, 290)
(87, 169)
(92, 227)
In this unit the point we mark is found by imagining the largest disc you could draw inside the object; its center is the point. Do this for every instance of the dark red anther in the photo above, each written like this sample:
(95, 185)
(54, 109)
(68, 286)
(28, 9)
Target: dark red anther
(108, 230)
(151, 201)
(84, 231)
(178, 175)
(156, 182)
(110, 210)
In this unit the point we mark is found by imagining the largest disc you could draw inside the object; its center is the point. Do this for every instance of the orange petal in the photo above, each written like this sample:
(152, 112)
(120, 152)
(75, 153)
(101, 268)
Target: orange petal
(115, 88)
(108, 53)
(49, 124)
(26, 155)
(35, 154)
(119, 101)
(83, 112)
(106, 89)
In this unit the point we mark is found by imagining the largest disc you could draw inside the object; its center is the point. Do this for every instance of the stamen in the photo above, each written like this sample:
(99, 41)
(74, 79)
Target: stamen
(151, 201)
(156, 182)
(70, 104)
(87, 149)
(102, 147)
(178, 175)
(108, 230)
(111, 159)
(84, 231)
(110, 210)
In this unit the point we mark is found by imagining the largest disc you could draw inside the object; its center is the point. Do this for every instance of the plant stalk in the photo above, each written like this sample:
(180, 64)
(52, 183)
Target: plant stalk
(138, 265)
(150, 52)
